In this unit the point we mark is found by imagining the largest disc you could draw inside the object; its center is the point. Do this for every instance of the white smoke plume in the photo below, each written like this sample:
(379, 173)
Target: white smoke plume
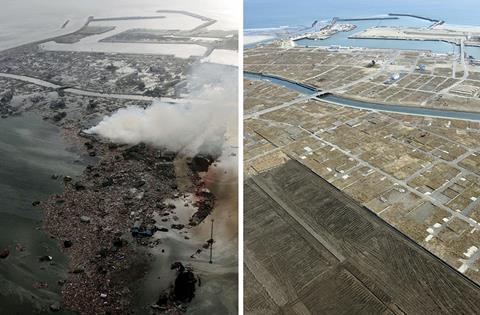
(198, 124)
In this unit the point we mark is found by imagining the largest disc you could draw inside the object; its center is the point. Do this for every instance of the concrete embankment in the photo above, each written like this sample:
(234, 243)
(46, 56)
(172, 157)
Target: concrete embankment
(300, 87)
(128, 18)
(414, 16)
(359, 36)
(326, 97)
(366, 19)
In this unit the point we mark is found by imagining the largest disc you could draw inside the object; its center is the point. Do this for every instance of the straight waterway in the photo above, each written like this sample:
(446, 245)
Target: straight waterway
(73, 90)
(342, 101)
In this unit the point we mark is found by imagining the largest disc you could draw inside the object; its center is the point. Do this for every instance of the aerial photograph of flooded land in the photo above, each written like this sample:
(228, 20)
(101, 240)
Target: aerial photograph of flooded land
(361, 157)
(118, 157)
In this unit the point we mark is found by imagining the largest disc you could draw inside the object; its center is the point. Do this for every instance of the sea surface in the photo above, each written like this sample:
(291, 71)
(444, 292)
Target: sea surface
(275, 13)
(261, 14)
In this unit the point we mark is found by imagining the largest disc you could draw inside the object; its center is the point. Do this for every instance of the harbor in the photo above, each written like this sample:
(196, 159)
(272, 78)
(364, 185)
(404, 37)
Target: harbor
(396, 31)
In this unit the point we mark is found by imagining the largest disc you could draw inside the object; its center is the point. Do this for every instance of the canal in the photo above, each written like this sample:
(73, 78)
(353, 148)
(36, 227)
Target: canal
(342, 101)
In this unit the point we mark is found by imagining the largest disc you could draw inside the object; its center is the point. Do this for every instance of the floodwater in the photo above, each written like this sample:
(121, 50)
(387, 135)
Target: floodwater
(164, 21)
(31, 150)
(218, 293)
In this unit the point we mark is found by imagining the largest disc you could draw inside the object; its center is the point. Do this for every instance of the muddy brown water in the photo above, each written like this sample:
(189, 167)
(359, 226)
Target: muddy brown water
(31, 150)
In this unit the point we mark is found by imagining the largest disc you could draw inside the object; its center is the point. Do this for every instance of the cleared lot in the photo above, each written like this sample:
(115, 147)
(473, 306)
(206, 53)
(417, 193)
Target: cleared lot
(310, 249)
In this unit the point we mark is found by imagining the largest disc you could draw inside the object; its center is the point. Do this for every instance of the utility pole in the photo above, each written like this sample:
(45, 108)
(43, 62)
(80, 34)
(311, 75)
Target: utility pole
(211, 243)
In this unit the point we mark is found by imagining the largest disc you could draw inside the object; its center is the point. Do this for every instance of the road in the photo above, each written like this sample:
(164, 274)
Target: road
(46, 84)
(433, 197)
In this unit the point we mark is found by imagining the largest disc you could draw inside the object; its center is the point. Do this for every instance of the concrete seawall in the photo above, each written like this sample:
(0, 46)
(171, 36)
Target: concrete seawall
(366, 19)
(414, 16)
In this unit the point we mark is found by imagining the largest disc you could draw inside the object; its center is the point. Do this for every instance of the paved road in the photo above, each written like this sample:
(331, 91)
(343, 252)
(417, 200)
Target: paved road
(50, 85)
(274, 108)
(401, 183)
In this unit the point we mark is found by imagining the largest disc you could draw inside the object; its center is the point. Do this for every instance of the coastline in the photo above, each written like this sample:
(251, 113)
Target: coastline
(437, 25)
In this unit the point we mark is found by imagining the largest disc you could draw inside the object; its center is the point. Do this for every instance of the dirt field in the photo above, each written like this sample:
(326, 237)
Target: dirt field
(310, 249)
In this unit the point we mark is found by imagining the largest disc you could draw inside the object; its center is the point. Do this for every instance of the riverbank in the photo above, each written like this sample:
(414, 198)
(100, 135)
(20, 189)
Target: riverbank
(297, 86)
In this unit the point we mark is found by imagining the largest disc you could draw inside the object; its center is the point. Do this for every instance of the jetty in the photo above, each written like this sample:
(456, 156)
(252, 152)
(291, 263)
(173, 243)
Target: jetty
(366, 19)
(435, 21)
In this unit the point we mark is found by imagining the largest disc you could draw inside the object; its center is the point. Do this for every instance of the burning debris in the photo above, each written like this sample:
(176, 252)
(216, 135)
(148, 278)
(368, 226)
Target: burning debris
(105, 220)
(116, 202)
(196, 125)
(205, 205)
(184, 288)
(120, 194)
(201, 162)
